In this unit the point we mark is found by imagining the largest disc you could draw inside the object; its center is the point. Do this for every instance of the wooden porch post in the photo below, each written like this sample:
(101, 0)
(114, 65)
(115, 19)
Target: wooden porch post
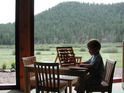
(24, 35)
(123, 66)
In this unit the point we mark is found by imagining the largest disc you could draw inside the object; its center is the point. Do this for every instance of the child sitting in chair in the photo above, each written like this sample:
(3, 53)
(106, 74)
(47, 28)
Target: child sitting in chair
(94, 64)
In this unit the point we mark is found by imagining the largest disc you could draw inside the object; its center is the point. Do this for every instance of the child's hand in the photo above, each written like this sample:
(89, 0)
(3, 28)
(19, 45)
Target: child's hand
(82, 64)
(87, 76)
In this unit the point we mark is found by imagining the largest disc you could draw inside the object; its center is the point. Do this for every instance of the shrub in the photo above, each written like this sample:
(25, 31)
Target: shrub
(52, 53)
(4, 65)
(38, 53)
(43, 49)
(13, 65)
(82, 49)
(110, 50)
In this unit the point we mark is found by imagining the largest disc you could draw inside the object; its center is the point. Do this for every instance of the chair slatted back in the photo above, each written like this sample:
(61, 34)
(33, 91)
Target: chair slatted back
(109, 71)
(47, 77)
(28, 61)
(78, 59)
(66, 55)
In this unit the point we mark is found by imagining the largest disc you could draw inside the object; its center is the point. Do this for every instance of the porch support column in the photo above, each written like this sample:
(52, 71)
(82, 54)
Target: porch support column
(24, 36)
(123, 66)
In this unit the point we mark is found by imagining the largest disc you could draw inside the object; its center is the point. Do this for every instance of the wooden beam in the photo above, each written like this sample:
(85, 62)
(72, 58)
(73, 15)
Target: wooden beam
(24, 35)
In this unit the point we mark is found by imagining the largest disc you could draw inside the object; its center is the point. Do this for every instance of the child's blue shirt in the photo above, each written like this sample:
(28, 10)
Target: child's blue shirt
(97, 69)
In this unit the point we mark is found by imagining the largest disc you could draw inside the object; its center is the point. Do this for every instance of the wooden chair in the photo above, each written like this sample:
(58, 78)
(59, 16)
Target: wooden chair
(106, 85)
(47, 78)
(28, 61)
(66, 58)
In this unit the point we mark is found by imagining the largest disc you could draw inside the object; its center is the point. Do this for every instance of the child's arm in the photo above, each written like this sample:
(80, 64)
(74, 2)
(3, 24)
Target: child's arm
(84, 64)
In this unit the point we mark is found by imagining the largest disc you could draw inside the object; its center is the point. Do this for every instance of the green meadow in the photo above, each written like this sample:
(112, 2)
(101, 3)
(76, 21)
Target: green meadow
(47, 52)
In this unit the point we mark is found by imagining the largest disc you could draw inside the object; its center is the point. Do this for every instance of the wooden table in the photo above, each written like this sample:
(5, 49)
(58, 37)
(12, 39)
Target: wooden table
(62, 71)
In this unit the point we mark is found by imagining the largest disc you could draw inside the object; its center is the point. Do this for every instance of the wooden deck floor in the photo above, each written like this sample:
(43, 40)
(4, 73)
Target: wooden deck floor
(117, 88)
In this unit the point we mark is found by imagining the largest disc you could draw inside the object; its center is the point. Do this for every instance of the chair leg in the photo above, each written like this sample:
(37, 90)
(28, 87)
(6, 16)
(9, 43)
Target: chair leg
(109, 91)
(88, 91)
(37, 91)
(66, 90)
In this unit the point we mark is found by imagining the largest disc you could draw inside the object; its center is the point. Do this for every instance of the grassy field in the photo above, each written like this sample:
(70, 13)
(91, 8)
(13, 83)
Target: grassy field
(48, 52)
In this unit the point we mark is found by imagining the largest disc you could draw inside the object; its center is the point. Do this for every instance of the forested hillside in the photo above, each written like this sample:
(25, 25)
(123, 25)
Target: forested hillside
(74, 22)
(7, 34)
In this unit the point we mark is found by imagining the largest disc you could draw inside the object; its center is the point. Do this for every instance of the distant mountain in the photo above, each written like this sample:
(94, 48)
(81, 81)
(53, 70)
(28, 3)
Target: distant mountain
(75, 22)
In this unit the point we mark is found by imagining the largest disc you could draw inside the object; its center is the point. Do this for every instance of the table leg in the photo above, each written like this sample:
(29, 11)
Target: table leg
(70, 86)
(27, 81)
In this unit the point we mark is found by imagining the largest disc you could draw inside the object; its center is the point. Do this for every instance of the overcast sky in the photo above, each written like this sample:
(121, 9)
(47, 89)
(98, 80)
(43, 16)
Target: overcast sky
(7, 7)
